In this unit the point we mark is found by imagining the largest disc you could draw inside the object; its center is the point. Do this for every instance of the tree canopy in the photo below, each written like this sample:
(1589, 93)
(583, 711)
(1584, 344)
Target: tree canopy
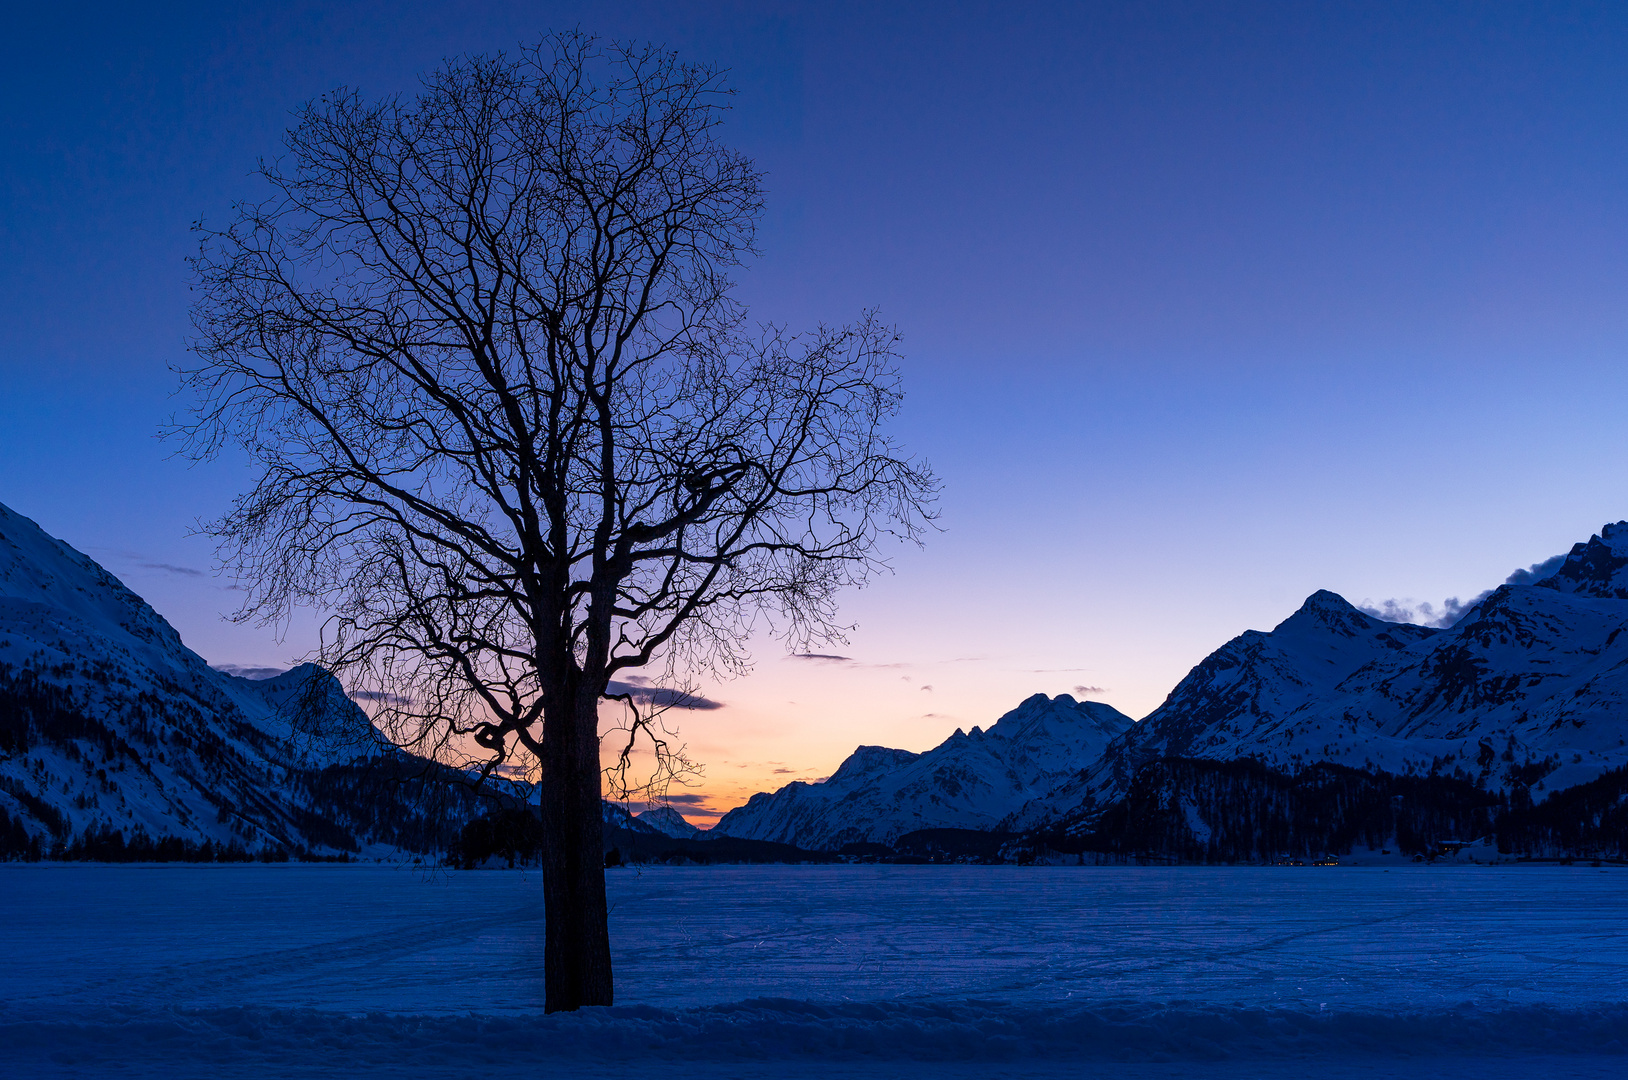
(513, 432)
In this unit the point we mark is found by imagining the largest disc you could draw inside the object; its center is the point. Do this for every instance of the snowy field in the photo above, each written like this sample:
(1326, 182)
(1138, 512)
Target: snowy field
(193, 971)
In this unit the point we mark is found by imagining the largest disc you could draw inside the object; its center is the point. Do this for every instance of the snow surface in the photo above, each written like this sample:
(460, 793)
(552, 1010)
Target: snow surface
(858, 971)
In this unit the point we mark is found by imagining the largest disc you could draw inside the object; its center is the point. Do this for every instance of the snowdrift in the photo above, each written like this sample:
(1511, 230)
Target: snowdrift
(864, 1038)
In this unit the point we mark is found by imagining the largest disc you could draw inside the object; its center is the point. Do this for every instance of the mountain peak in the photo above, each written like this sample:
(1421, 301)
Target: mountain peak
(972, 780)
(666, 820)
(1598, 567)
(871, 759)
(1323, 611)
(142, 737)
(1059, 714)
(36, 567)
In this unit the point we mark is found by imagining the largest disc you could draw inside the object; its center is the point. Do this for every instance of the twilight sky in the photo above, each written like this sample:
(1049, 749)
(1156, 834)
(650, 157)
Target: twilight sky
(1206, 306)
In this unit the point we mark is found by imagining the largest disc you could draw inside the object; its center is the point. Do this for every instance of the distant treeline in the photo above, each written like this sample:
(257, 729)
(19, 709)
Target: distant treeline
(416, 809)
(1196, 811)
(33, 711)
(1186, 811)
(415, 805)
(15, 841)
(514, 836)
(408, 802)
(111, 845)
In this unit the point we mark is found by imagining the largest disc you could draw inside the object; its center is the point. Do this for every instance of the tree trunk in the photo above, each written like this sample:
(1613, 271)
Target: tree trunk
(576, 957)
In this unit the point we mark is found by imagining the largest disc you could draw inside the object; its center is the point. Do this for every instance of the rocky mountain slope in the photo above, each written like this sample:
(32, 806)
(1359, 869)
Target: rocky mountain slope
(970, 781)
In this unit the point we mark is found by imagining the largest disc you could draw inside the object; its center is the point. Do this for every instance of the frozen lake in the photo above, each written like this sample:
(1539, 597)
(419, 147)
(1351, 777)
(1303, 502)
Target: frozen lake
(848, 970)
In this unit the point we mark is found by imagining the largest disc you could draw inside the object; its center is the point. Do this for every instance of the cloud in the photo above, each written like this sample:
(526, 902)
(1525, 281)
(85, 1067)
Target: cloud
(146, 562)
(1423, 613)
(247, 672)
(660, 696)
(783, 772)
(171, 568)
(687, 804)
(1452, 609)
(1536, 572)
(688, 800)
(383, 697)
(1401, 611)
(1086, 691)
(834, 658)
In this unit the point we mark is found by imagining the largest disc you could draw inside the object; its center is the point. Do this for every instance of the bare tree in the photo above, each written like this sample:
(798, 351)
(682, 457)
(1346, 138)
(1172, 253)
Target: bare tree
(512, 431)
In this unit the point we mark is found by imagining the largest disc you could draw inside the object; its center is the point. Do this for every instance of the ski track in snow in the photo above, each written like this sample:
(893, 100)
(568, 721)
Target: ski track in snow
(860, 971)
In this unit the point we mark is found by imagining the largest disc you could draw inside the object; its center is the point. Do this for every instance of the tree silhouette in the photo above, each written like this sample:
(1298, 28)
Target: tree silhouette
(514, 435)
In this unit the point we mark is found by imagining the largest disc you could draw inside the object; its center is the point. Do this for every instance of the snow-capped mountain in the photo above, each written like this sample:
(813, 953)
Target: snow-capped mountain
(970, 781)
(617, 816)
(668, 822)
(1598, 567)
(109, 723)
(1529, 688)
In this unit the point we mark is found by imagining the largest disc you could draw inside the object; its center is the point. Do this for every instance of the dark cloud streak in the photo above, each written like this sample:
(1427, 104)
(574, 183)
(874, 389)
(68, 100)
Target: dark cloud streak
(383, 697)
(245, 672)
(171, 568)
(1536, 572)
(660, 696)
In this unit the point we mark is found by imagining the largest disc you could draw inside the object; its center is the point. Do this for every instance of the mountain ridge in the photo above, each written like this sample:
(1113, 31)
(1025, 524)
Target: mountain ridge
(110, 725)
(1528, 688)
(1527, 691)
(1598, 566)
(968, 781)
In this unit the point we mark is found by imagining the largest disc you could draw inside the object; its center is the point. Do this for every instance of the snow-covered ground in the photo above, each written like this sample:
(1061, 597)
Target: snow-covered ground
(861, 971)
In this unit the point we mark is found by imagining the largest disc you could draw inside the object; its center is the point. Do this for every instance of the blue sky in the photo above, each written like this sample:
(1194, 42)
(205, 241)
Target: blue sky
(1206, 306)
